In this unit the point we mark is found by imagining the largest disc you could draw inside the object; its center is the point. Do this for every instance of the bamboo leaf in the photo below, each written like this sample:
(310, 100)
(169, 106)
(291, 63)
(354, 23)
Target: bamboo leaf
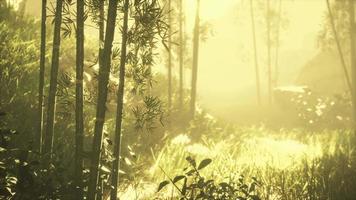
(178, 178)
(162, 185)
(204, 163)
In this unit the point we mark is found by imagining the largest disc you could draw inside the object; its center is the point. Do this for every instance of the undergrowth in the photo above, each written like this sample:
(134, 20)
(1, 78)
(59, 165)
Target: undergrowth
(288, 164)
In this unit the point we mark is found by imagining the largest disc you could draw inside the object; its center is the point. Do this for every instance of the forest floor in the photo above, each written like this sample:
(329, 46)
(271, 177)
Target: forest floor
(290, 164)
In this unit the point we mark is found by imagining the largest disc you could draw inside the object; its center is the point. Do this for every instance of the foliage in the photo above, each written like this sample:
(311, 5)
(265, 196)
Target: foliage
(289, 164)
(340, 12)
(8, 180)
(195, 186)
(314, 111)
(19, 54)
(18, 61)
(277, 18)
(21, 173)
(321, 164)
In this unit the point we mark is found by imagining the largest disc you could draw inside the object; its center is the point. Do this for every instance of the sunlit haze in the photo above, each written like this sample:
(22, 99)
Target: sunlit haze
(178, 99)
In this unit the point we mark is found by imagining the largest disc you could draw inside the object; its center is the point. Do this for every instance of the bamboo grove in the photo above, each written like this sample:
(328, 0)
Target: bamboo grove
(142, 27)
(138, 40)
(100, 99)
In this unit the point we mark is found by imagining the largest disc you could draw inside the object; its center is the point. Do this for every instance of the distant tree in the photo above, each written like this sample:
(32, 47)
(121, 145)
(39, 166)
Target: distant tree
(181, 54)
(269, 64)
(170, 54)
(104, 71)
(353, 56)
(326, 37)
(22, 8)
(39, 130)
(338, 45)
(97, 12)
(277, 39)
(48, 145)
(257, 70)
(176, 51)
(196, 36)
(269, 13)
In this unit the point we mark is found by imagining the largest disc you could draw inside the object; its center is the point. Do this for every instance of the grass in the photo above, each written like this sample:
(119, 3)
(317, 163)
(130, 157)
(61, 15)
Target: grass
(290, 164)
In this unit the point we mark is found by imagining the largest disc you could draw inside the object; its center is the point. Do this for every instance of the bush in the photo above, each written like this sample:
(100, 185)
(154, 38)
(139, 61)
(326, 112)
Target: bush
(195, 186)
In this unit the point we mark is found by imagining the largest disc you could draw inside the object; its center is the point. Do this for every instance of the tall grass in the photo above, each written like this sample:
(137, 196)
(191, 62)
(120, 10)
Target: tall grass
(291, 165)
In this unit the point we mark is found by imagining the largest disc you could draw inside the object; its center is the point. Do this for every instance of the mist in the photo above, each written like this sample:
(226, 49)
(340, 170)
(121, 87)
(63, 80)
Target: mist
(177, 99)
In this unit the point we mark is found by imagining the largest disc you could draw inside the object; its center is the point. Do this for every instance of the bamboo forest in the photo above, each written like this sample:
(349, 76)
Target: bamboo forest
(177, 100)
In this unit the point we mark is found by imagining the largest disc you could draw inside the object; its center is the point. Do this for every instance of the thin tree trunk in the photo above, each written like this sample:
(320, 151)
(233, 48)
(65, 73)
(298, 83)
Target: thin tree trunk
(104, 72)
(185, 41)
(39, 129)
(22, 8)
(79, 121)
(48, 146)
(101, 46)
(169, 55)
(337, 41)
(181, 59)
(276, 69)
(257, 70)
(195, 60)
(101, 28)
(120, 103)
(268, 19)
(353, 55)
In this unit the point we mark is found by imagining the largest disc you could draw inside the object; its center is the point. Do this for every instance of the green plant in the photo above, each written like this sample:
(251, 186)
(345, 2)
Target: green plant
(22, 175)
(195, 186)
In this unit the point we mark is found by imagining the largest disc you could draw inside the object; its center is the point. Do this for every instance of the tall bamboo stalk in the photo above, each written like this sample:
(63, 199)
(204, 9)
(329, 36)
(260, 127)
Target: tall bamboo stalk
(101, 28)
(48, 145)
(104, 71)
(120, 105)
(39, 129)
(79, 121)
(353, 55)
(101, 46)
(269, 64)
(181, 58)
(257, 70)
(337, 41)
(169, 55)
(276, 69)
(196, 38)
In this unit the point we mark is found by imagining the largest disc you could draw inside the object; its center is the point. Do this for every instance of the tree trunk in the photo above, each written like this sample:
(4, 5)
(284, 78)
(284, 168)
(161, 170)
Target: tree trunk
(181, 59)
(101, 46)
(276, 69)
(169, 56)
(195, 60)
(257, 70)
(22, 8)
(104, 72)
(268, 19)
(337, 41)
(79, 122)
(119, 109)
(353, 56)
(53, 84)
(101, 28)
(39, 130)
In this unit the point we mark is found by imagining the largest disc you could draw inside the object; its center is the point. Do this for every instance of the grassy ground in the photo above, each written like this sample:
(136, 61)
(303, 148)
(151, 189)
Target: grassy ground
(289, 164)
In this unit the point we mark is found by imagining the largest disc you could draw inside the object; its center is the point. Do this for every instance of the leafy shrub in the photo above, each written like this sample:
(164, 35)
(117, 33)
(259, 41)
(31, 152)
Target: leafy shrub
(318, 111)
(195, 186)
(23, 177)
(313, 111)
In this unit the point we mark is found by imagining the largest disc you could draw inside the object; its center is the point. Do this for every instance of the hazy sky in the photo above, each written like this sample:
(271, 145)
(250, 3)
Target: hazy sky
(226, 68)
